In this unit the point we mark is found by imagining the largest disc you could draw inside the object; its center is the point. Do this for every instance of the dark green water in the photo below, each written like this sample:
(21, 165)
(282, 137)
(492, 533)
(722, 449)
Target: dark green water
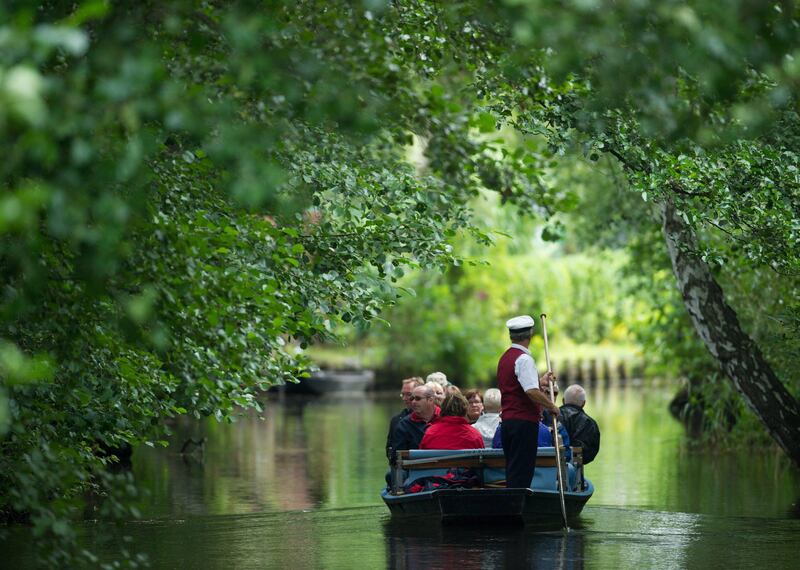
(299, 489)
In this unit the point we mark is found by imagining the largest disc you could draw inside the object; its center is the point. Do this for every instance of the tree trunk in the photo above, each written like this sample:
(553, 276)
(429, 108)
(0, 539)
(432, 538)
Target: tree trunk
(718, 326)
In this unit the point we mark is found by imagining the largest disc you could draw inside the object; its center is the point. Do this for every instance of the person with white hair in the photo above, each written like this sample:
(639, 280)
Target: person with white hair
(439, 377)
(487, 423)
(582, 429)
(438, 391)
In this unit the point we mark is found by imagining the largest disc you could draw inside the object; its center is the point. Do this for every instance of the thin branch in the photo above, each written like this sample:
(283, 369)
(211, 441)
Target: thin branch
(614, 152)
(728, 232)
(676, 186)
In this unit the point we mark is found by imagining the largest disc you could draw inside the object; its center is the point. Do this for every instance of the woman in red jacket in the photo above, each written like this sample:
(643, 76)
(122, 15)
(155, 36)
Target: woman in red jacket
(452, 430)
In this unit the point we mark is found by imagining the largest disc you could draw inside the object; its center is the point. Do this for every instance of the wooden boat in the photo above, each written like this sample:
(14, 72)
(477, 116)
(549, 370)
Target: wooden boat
(490, 501)
(331, 381)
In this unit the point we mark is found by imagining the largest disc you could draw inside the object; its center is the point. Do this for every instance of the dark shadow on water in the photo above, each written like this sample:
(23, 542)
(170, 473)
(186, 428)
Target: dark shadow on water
(412, 545)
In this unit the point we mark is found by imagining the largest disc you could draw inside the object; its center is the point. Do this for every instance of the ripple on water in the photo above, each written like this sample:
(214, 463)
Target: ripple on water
(366, 537)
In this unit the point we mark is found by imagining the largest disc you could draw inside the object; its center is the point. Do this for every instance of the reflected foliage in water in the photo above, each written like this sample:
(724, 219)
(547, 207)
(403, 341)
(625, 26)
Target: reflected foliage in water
(365, 537)
(299, 489)
(304, 454)
(308, 454)
(645, 462)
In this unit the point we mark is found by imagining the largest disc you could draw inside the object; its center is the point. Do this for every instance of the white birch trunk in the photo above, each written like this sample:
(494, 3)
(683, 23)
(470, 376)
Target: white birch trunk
(718, 326)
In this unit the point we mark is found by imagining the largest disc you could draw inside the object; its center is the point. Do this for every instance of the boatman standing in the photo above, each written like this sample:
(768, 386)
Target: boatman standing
(521, 403)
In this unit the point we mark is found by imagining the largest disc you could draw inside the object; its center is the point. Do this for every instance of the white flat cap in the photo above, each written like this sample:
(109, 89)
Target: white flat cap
(520, 323)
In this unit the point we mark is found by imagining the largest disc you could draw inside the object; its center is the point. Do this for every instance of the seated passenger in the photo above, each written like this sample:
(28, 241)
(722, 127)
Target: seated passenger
(545, 438)
(406, 392)
(547, 420)
(497, 438)
(409, 431)
(488, 422)
(438, 392)
(475, 404)
(452, 430)
(544, 385)
(583, 430)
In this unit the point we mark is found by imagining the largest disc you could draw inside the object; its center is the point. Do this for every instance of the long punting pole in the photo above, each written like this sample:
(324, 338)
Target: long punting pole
(555, 427)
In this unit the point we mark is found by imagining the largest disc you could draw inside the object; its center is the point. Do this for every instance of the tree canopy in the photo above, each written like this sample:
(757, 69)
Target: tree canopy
(192, 190)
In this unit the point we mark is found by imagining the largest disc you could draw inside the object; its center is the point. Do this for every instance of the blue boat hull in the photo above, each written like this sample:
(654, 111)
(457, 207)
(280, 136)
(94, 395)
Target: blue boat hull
(488, 505)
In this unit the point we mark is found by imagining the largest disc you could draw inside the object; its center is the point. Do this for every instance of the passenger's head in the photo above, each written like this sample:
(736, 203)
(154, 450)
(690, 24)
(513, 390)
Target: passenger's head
(544, 386)
(423, 402)
(491, 401)
(455, 405)
(475, 404)
(438, 391)
(437, 377)
(408, 388)
(575, 395)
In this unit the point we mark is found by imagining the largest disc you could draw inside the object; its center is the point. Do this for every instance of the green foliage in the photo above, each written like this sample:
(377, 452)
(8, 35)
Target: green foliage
(678, 67)
(694, 115)
(190, 190)
(454, 322)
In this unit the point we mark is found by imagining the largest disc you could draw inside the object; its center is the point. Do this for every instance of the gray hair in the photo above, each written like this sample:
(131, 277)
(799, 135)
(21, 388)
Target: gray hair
(433, 385)
(427, 391)
(438, 377)
(575, 395)
(491, 400)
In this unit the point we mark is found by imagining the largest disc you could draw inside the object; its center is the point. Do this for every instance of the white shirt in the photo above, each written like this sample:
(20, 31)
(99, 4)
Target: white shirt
(487, 425)
(525, 369)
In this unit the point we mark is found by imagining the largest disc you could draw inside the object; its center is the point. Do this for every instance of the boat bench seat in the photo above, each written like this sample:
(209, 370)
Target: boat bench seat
(491, 463)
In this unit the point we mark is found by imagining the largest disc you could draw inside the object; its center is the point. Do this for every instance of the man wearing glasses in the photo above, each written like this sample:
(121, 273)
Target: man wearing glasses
(409, 431)
(405, 393)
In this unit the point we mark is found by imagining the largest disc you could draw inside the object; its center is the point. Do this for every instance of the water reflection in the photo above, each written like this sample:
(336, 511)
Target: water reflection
(308, 454)
(412, 547)
(365, 537)
(298, 488)
(299, 455)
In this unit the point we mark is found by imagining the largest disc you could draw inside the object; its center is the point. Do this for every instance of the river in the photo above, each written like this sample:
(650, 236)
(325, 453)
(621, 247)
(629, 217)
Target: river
(298, 487)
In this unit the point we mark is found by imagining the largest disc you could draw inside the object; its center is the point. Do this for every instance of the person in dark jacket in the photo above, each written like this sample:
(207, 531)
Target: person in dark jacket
(409, 431)
(405, 393)
(452, 430)
(582, 429)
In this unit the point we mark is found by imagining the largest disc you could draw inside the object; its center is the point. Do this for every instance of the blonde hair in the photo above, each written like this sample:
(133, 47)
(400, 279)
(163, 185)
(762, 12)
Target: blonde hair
(415, 380)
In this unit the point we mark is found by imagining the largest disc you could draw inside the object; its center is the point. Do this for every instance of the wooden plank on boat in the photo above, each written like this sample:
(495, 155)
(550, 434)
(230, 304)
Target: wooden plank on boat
(472, 462)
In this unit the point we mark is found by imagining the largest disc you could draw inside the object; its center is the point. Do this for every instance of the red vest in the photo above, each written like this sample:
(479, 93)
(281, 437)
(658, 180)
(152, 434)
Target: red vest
(515, 403)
